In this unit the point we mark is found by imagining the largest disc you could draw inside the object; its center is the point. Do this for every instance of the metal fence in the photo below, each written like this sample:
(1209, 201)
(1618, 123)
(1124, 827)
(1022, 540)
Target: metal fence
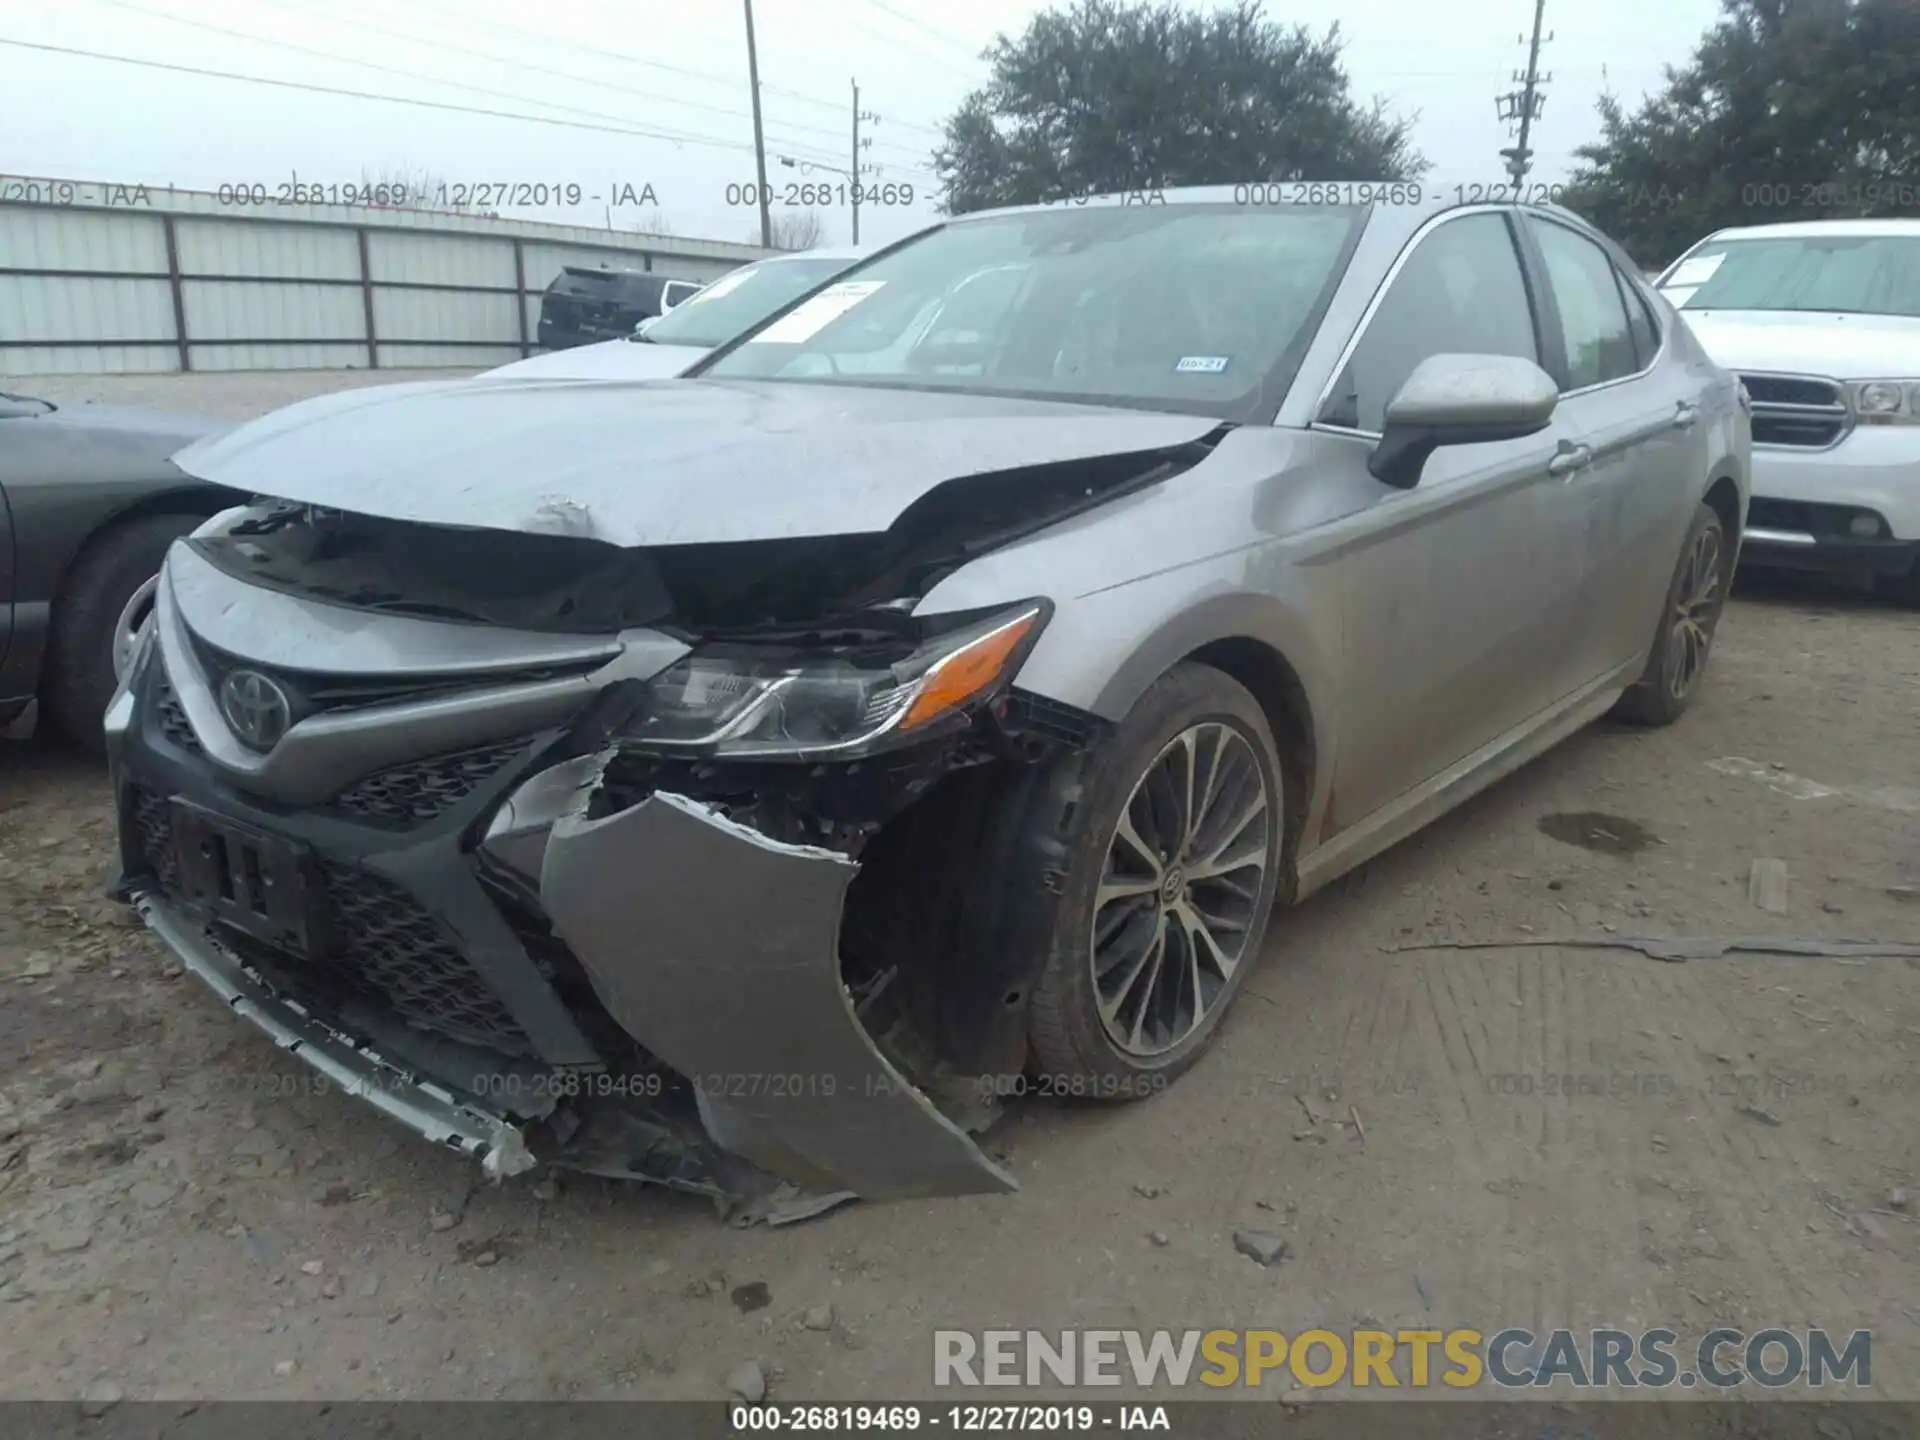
(104, 279)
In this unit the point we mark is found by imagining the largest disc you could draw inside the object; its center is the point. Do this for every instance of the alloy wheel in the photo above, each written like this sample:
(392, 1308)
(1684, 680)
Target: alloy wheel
(1183, 873)
(1695, 613)
(126, 630)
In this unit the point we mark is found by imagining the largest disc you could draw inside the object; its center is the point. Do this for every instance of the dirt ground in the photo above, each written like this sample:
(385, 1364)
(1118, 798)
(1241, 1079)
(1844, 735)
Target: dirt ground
(1530, 1134)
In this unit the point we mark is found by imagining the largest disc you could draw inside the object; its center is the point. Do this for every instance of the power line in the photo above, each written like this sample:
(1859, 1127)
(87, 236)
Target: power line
(600, 52)
(515, 61)
(649, 134)
(415, 75)
(922, 55)
(973, 51)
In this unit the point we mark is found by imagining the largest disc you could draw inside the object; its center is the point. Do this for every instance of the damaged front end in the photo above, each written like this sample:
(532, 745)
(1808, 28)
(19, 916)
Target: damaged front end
(702, 864)
(735, 880)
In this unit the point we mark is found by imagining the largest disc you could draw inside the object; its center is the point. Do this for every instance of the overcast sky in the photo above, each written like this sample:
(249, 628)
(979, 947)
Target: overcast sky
(679, 70)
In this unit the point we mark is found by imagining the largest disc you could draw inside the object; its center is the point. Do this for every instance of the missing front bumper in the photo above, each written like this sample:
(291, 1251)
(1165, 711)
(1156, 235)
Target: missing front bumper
(423, 1107)
(717, 949)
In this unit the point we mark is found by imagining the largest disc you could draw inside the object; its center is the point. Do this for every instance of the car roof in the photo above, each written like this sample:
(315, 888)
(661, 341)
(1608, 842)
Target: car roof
(1403, 207)
(1821, 230)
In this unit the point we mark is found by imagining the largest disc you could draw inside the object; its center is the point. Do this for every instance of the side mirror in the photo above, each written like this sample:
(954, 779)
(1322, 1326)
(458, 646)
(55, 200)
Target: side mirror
(1460, 400)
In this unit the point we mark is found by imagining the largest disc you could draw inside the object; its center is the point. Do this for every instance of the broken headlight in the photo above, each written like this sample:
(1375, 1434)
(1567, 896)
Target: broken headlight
(745, 701)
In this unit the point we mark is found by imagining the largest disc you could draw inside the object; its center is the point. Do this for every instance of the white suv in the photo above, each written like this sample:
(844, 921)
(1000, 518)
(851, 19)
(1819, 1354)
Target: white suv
(1821, 320)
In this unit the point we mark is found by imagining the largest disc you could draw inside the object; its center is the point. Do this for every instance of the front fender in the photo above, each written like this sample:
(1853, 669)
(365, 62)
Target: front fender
(1101, 651)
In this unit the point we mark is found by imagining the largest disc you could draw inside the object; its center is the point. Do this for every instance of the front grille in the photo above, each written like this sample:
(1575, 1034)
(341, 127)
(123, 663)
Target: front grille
(1050, 718)
(314, 693)
(174, 725)
(155, 834)
(419, 790)
(390, 943)
(1804, 412)
(388, 950)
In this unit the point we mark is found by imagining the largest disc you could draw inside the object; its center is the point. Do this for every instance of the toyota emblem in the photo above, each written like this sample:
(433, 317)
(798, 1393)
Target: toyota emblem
(256, 708)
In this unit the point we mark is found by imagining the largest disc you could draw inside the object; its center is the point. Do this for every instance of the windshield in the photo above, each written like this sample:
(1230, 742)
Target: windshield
(739, 300)
(1865, 274)
(1189, 308)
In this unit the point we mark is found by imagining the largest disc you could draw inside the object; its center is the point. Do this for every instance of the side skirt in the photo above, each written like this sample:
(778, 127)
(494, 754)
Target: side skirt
(1426, 802)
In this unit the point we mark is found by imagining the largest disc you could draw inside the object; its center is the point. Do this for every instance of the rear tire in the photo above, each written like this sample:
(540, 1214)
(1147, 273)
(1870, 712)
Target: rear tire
(78, 680)
(1903, 589)
(1168, 899)
(1684, 642)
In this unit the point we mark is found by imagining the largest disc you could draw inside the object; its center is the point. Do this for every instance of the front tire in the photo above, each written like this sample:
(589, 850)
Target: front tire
(1695, 597)
(1173, 874)
(79, 679)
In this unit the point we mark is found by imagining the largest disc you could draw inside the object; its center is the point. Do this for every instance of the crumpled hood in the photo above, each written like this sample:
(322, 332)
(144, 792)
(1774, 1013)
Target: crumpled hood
(667, 462)
(1813, 342)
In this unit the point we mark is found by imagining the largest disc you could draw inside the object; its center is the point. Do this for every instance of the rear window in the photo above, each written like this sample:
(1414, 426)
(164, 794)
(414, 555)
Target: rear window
(629, 287)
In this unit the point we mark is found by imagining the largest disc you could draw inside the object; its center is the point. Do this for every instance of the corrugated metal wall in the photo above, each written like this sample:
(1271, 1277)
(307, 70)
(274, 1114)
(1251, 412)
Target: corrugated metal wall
(99, 283)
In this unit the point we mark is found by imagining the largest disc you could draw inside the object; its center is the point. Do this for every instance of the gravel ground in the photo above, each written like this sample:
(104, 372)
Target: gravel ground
(182, 1216)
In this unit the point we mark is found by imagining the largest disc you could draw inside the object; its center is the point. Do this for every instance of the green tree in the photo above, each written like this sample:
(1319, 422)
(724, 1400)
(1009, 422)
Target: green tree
(1788, 110)
(1107, 96)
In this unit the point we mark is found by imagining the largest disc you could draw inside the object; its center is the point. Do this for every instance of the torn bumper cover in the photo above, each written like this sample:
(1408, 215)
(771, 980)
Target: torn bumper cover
(717, 949)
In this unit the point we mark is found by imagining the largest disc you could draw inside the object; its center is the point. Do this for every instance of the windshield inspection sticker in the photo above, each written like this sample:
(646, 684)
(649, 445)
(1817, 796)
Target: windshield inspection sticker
(1696, 271)
(1200, 365)
(819, 312)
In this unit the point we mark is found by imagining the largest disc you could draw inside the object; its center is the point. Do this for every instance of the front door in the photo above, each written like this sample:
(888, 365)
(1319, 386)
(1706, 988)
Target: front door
(1456, 592)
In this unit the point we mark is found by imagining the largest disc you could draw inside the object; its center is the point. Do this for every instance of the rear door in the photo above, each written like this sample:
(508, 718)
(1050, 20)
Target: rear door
(1455, 592)
(7, 574)
(13, 414)
(1644, 444)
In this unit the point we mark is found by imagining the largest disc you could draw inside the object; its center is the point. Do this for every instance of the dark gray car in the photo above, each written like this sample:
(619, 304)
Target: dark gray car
(89, 503)
(753, 777)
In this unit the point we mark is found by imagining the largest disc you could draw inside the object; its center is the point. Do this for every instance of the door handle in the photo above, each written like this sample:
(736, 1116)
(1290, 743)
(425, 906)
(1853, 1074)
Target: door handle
(1684, 415)
(1570, 459)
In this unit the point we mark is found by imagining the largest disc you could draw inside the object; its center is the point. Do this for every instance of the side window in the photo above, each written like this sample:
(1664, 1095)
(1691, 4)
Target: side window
(1593, 317)
(1460, 292)
(1646, 333)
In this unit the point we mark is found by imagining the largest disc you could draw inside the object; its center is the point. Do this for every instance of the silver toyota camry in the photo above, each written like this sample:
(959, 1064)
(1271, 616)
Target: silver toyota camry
(746, 781)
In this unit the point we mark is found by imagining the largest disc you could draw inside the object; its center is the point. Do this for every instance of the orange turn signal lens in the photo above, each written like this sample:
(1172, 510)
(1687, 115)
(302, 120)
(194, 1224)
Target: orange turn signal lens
(967, 671)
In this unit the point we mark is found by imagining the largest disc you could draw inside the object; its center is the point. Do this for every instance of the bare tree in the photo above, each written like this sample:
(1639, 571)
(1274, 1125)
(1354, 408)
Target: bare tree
(796, 230)
(652, 222)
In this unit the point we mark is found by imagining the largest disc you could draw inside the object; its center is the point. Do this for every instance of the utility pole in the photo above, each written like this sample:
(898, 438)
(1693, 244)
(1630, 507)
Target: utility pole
(759, 136)
(1524, 105)
(853, 174)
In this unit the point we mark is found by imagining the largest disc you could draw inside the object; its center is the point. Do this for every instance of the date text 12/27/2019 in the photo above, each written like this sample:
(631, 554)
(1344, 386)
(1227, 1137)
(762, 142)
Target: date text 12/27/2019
(959, 1419)
(455, 195)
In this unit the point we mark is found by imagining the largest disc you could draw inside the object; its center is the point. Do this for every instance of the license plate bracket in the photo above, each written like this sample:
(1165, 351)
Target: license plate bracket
(261, 884)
